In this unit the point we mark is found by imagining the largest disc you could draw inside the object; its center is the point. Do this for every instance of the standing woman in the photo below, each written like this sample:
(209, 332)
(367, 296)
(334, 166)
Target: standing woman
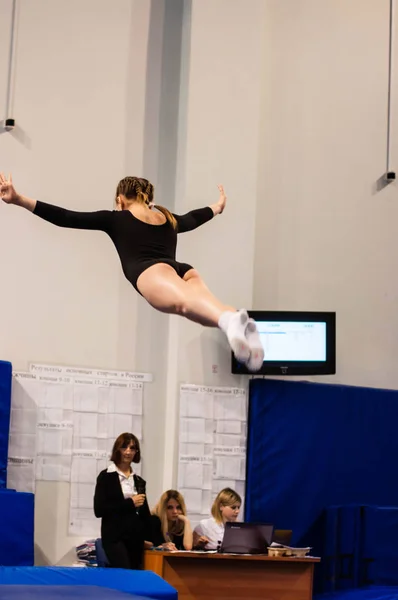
(120, 502)
(171, 528)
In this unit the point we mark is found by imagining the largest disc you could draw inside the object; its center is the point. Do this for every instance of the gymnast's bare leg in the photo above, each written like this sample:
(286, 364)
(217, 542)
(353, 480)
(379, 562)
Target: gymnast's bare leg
(189, 297)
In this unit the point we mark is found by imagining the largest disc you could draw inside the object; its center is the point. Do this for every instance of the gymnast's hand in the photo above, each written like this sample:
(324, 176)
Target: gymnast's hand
(7, 190)
(220, 205)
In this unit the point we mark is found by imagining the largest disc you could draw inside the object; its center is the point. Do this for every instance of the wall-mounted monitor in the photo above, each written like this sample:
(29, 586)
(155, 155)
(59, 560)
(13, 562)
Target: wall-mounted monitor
(295, 343)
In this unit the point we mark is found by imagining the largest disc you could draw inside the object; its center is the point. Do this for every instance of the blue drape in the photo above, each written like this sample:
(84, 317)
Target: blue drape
(314, 446)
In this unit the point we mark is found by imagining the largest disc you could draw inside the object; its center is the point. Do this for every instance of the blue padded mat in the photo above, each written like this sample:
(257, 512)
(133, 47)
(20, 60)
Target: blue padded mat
(368, 593)
(141, 583)
(16, 545)
(63, 592)
(5, 407)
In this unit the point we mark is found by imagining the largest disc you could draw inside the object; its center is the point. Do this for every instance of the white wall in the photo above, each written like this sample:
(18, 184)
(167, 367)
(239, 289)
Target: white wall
(219, 126)
(282, 101)
(325, 239)
(63, 284)
(81, 74)
(99, 94)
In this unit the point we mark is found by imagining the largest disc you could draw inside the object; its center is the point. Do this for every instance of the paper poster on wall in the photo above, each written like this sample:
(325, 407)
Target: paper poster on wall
(85, 468)
(63, 423)
(82, 522)
(53, 468)
(23, 417)
(90, 372)
(212, 445)
(21, 474)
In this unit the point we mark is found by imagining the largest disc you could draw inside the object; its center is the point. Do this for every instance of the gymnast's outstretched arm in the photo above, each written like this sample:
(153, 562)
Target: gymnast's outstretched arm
(198, 217)
(97, 220)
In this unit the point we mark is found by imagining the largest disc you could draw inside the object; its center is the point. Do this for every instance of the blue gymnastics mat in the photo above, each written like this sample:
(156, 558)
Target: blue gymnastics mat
(5, 408)
(366, 593)
(137, 583)
(17, 535)
(63, 592)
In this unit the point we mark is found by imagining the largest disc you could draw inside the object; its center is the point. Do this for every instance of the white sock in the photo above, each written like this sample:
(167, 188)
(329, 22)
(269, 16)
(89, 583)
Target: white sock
(230, 321)
(256, 348)
(224, 320)
(233, 324)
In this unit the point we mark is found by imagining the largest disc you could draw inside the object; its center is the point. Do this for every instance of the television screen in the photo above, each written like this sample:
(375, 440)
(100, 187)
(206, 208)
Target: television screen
(295, 343)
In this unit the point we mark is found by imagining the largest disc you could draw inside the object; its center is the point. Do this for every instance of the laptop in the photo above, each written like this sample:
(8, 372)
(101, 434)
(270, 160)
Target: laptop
(246, 538)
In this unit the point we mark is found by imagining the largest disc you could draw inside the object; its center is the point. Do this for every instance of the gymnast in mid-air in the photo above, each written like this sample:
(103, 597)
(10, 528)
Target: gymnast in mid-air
(145, 237)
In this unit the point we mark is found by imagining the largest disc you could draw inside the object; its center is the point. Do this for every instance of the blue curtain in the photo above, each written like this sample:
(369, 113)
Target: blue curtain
(312, 447)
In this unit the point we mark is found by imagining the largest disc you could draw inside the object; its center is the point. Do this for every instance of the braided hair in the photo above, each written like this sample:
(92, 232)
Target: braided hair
(142, 190)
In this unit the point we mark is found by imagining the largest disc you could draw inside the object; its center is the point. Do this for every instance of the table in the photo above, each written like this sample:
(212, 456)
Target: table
(204, 576)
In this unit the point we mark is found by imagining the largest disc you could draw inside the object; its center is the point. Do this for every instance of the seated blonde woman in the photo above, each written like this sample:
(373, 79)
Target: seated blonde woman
(209, 533)
(170, 525)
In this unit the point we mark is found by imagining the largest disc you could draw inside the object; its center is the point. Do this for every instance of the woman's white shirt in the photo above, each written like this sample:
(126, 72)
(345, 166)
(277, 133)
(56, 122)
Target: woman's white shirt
(127, 483)
(212, 530)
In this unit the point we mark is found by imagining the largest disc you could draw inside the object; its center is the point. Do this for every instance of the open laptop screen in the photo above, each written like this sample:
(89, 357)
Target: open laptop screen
(247, 538)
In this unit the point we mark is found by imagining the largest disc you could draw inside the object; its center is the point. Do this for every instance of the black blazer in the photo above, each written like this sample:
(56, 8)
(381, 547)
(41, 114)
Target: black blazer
(120, 518)
(157, 538)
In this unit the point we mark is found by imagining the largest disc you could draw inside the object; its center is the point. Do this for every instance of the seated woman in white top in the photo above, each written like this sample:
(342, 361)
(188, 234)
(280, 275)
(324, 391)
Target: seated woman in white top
(210, 532)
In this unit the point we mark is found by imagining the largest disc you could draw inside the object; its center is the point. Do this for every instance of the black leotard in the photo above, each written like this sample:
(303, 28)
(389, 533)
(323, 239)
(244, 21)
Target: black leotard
(139, 245)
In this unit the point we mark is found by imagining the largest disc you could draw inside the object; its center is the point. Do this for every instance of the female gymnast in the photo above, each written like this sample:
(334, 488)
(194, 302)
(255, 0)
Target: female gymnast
(146, 242)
